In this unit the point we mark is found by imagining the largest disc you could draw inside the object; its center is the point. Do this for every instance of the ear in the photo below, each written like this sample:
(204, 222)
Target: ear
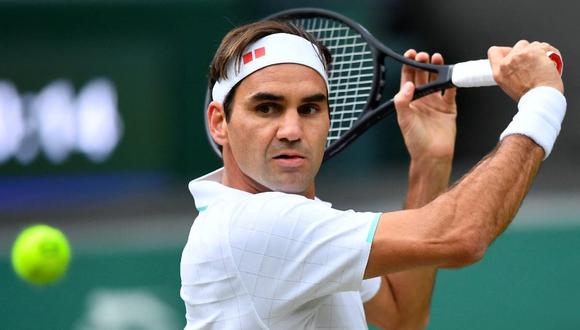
(218, 127)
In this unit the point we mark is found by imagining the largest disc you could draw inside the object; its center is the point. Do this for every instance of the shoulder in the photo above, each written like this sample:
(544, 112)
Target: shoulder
(280, 206)
(295, 217)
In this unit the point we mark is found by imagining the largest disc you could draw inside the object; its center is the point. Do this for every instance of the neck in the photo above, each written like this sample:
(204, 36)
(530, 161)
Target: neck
(234, 177)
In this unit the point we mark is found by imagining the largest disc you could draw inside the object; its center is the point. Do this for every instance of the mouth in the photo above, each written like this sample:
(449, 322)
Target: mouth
(289, 159)
(285, 156)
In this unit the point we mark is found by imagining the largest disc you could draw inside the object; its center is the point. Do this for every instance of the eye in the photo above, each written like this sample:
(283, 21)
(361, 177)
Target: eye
(266, 108)
(308, 109)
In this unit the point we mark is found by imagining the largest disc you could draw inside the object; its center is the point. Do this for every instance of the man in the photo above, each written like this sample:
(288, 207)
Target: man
(265, 253)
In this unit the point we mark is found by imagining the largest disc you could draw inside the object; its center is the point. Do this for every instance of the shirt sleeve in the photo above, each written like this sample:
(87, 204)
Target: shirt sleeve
(370, 287)
(293, 250)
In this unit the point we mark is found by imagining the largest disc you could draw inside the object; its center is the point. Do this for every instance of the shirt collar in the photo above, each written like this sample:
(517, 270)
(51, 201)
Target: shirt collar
(209, 188)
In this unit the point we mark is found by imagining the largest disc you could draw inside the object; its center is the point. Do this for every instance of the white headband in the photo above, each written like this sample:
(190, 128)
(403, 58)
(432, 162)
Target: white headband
(272, 49)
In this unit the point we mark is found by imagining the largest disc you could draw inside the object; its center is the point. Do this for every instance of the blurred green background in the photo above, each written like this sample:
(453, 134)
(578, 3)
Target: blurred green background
(128, 216)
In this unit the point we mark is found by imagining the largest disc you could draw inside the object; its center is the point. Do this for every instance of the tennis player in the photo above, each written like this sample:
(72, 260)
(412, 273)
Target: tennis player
(266, 253)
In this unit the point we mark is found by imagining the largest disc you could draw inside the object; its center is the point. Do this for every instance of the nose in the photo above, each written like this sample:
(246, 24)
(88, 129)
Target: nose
(290, 127)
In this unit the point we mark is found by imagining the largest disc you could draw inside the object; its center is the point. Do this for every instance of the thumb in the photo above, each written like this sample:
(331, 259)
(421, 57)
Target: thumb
(404, 96)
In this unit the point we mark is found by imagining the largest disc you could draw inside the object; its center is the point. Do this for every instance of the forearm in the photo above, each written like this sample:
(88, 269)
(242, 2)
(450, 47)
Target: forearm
(427, 180)
(487, 198)
(456, 228)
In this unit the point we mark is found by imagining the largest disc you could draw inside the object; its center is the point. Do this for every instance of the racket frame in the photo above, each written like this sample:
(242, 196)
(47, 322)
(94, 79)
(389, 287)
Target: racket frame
(372, 112)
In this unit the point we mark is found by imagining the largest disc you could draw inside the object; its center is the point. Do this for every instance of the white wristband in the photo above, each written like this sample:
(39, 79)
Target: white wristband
(540, 114)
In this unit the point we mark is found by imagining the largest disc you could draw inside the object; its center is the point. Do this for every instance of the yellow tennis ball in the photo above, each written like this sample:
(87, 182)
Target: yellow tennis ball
(40, 254)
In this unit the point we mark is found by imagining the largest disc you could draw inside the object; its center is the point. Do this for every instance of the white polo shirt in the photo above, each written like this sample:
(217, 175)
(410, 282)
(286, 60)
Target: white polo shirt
(274, 261)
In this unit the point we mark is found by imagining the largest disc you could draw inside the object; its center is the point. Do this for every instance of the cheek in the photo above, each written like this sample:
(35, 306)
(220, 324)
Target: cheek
(322, 145)
(246, 139)
(237, 139)
(322, 131)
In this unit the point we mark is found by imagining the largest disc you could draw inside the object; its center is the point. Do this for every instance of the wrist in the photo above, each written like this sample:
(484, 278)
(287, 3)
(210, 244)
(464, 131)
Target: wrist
(540, 115)
(433, 154)
(518, 143)
(430, 166)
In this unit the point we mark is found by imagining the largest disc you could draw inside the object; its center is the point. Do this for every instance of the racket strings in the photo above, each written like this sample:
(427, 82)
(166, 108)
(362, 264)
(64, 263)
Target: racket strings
(351, 74)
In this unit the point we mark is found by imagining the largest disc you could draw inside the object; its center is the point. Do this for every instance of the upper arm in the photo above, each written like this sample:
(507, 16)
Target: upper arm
(428, 236)
(398, 244)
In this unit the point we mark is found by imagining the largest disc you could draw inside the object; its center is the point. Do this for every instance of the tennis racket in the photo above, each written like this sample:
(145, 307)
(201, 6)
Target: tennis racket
(357, 76)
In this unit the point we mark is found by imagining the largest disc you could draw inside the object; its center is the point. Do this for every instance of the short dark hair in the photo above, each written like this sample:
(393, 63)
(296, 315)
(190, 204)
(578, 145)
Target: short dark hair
(236, 41)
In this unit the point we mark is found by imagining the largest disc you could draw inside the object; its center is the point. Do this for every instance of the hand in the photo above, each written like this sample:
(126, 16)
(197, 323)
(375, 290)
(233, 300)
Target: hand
(428, 123)
(523, 67)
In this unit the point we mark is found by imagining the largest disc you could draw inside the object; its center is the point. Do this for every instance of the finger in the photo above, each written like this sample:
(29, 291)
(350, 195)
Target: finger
(539, 47)
(551, 52)
(404, 96)
(421, 76)
(545, 47)
(551, 48)
(499, 51)
(521, 44)
(407, 72)
(437, 59)
(496, 55)
(556, 57)
(449, 95)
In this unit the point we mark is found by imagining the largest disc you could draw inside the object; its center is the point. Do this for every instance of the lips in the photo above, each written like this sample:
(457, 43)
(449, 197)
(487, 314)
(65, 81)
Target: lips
(289, 159)
(286, 156)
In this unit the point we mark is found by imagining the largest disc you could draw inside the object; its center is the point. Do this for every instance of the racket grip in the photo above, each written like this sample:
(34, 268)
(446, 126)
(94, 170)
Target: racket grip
(479, 73)
(473, 74)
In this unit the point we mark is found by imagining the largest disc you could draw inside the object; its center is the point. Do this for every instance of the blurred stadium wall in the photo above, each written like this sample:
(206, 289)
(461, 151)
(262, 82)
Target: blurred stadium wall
(101, 129)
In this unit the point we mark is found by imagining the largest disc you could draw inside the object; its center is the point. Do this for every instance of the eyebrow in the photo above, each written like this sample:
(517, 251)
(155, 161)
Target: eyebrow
(264, 96)
(314, 98)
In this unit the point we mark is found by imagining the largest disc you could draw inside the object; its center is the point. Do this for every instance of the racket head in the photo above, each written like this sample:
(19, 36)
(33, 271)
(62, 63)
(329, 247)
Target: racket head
(356, 76)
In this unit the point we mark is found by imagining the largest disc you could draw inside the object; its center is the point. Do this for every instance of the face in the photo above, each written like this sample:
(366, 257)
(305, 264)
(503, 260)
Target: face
(277, 131)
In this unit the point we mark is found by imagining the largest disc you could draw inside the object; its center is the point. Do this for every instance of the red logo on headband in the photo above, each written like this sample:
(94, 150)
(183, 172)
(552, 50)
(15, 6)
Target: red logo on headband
(257, 53)
(260, 52)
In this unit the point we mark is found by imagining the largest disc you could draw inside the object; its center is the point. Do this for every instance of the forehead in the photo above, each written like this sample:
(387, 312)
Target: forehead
(288, 78)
